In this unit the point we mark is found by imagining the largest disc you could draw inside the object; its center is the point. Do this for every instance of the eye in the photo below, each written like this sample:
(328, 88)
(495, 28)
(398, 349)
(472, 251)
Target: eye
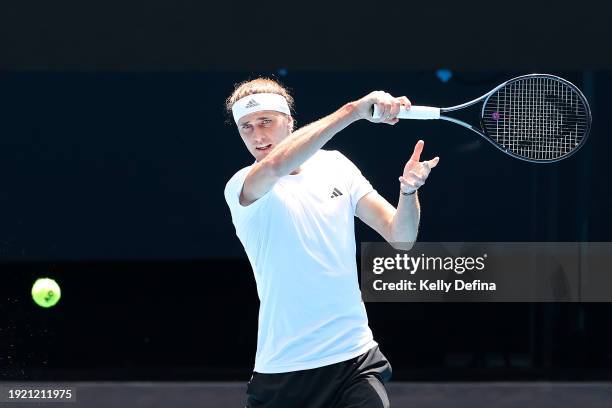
(266, 121)
(247, 127)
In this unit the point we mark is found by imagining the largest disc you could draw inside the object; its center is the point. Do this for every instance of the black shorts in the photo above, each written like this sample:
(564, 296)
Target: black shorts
(358, 382)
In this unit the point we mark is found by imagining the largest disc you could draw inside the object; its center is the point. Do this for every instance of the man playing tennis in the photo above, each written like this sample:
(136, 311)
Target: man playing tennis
(293, 210)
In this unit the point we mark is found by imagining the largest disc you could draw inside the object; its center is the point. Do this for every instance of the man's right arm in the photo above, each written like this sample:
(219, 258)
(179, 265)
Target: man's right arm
(294, 150)
(299, 146)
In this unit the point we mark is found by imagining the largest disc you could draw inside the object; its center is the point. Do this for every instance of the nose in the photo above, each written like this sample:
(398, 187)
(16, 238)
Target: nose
(257, 136)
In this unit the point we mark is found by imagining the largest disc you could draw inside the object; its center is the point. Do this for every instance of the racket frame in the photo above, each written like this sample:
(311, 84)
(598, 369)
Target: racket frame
(485, 98)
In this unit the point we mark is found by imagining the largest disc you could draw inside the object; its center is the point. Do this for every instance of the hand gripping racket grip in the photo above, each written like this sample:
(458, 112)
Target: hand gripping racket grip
(415, 112)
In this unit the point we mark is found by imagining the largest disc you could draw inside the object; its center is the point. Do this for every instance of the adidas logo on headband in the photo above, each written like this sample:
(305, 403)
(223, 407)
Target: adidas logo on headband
(252, 103)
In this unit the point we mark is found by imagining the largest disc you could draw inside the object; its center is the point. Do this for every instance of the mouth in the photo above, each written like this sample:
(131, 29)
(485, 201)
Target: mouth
(263, 148)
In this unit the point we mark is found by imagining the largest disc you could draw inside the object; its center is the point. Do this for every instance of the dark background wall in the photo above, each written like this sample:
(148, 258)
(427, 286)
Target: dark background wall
(114, 153)
(320, 35)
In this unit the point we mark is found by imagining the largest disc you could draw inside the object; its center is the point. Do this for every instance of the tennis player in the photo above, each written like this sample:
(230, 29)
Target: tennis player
(293, 210)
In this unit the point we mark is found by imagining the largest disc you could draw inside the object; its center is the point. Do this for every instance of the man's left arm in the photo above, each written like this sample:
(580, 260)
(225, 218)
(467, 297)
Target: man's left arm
(399, 226)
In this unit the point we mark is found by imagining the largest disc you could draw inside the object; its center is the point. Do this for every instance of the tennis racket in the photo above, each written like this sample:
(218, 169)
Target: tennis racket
(539, 118)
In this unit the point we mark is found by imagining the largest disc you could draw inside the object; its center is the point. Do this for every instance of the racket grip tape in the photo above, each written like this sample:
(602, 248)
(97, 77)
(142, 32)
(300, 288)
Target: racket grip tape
(415, 112)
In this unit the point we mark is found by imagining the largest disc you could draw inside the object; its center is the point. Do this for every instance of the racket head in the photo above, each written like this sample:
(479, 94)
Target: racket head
(539, 118)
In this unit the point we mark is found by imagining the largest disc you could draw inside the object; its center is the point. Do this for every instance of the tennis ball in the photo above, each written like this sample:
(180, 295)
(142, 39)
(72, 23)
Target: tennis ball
(46, 292)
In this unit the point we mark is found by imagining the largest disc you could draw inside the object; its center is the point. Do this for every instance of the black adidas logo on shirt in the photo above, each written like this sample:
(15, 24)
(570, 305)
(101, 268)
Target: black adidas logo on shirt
(336, 193)
(251, 104)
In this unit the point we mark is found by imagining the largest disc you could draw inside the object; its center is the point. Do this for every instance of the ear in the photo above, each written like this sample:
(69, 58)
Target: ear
(290, 122)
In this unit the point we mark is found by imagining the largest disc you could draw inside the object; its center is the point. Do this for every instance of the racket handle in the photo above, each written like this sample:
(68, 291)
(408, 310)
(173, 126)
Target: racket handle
(415, 112)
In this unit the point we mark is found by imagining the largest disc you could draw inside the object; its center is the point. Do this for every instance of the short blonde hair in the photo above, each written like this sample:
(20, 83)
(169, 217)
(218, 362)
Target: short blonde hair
(255, 86)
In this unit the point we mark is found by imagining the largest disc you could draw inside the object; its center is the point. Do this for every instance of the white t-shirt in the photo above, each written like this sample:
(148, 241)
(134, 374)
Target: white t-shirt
(300, 240)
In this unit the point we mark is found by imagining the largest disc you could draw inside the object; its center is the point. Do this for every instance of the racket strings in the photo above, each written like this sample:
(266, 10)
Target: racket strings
(539, 118)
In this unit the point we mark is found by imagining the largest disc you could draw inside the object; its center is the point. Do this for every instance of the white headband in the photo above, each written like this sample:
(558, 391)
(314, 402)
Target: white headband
(259, 102)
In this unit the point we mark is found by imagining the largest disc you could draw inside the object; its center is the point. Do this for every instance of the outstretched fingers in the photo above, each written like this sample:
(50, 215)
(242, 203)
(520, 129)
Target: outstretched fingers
(418, 149)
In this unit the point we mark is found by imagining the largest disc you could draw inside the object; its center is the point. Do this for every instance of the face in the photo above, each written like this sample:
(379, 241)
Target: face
(262, 131)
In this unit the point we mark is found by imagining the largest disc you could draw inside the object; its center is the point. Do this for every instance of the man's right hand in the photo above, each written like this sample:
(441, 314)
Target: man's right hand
(388, 104)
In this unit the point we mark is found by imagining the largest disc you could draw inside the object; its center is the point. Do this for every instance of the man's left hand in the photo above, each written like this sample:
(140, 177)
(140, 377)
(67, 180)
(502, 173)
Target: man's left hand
(416, 171)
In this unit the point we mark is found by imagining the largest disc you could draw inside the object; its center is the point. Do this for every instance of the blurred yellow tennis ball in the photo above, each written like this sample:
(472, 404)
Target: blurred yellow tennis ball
(46, 292)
